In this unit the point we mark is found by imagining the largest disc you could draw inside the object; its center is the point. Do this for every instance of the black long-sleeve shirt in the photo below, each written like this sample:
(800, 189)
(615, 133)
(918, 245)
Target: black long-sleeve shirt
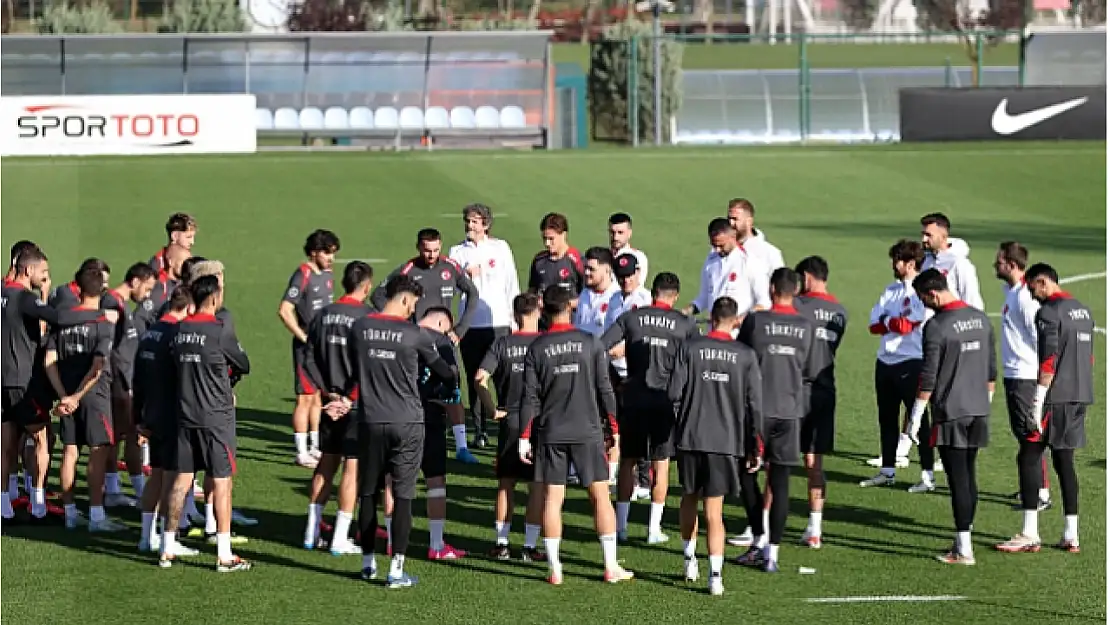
(830, 320)
(505, 362)
(565, 272)
(783, 340)
(205, 351)
(22, 334)
(441, 281)
(652, 338)
(568, 398)
(154, 398)
(79, 339)
(327, 335)
(717, 390)
(386, 355)
(959, 362)
(1065, 348)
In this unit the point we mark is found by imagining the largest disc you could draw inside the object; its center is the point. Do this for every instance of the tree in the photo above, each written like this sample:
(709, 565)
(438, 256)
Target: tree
(62, 18)
(1089, 12)
(203, 16)
(987, 26)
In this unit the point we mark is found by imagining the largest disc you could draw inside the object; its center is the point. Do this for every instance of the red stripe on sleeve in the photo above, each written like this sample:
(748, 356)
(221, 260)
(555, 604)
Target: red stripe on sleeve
(613, 425)
(1049, 365)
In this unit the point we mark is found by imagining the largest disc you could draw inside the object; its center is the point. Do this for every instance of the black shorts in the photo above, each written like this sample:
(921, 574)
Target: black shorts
(965, 433)
(121, 382)
(1020, 395)
(708, 475)
(647, 429)
(818, 426)
(23, 407)
(90, 425)
(434, 461)
(339, 437)
(302, 381)
(1065, 426)
(203, 449)
(393, 449)
(783, 442)
(553, 461)
(161, 446)
(507, 464)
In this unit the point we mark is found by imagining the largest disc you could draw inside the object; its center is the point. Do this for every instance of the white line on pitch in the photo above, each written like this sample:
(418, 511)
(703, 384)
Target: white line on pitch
(1083, 276)
(880, 599)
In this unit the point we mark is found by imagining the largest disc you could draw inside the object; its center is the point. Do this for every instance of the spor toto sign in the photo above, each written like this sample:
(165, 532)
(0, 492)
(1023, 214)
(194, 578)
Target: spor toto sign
(120, 125)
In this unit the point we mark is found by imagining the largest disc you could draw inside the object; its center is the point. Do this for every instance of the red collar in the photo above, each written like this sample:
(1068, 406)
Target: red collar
(88, 309)
(722, 336)
(170, 319)
(660, 305)
(76, 290)
(526, 333)
(956, 305)
(1059, 295)
(561, 327)
(385, 316)
(12, 284)
(787, 310)
(347, 299)
(828, 297)
(201, 318)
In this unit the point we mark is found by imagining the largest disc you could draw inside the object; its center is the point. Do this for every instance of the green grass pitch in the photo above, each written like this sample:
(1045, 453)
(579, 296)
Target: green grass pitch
(847, 204)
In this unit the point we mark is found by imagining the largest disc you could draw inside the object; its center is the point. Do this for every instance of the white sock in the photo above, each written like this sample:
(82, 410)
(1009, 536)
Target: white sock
(716, 563)
(70, 510)
(6, 505)
(223, 547)
(655, 518)
(368, 561)
(1071, 526)
(148, 525)
(690, 548)
(460, 436)
(609, 550)
(773, 553)
(963, 543)
(1029, 524)
(300, 439)
(146, 455)
(13, 486)
(613, 468)
(388, 530)
(814, 523)
(397, 566)
(342, 531)
(314, 439)
(761, 540)
(927, 477)
(766, 521)
(209, 518)
(553, 562)
(138, 482)
(312, 527)
(96, 514)
(502, 530)
(904, 444)
(622, 516)
(111, 484)
(531, 535)
(1044, 494)
(38, 502)
(435, 534)
(169, 542)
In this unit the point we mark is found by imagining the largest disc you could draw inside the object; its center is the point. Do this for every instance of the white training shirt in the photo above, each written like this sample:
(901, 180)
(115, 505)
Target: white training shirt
(497, 280)
(963, 280)
(900, 300)
(620, 304)
(737, 275)
(593, 306)
(641, 262)
(757, 245)
(1019, 333)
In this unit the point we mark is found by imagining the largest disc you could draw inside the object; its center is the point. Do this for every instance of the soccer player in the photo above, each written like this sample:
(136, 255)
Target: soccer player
(593, 301)
(205, 351)
(957, 381)
(559, 264)
(504, 364)
(386, 351)
(730, 271)
(17, 250)
(830, 320)
(783, 342)
(566, 376)
(330, 366)
(620, 242)
(441, 278)
(897, 318)
(310, 289)
(490, 264)
(181, 233)
(1065, 387)
(1020, 368)
(177, 260)
(69, 295)
(716, 387)
(942, 255)
(651, 337)
(76, 362)
(741, 214)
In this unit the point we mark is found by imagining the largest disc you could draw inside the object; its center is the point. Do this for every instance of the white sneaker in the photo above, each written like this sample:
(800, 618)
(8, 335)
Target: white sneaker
(119, 500)
(657, 538)
(181, 551)
(938, 466)
(878, 480)
(923, 487)
(106, 525)
(742, 540)
(640, 493)
(901, 462)
(316, 453)
(691, 569)
(345, 548)
(716, 585)
(305, 460)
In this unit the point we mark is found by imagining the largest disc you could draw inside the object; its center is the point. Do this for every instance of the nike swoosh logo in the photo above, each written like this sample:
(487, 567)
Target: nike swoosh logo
(1006, 124)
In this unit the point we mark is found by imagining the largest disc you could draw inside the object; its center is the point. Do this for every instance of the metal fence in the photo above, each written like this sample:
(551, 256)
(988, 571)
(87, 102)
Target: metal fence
(1066, 59)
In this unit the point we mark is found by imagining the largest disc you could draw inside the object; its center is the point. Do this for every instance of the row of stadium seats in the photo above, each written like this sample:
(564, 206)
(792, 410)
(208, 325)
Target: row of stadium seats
(362, 118)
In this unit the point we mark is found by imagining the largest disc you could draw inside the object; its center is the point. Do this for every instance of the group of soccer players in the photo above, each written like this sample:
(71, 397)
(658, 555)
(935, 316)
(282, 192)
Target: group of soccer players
(596, 380)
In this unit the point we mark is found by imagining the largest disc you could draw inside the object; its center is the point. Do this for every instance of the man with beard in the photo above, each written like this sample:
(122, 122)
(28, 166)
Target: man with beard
(951, 261)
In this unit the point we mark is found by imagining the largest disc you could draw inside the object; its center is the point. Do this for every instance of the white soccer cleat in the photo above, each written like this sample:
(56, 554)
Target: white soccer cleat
(182, 551)
(716, 585)
(640, 493)
(316, 453)
(810, 540)
(306, 461)
(657, 538)
(345, 548)
(901, 462)
(742, 540)
(878, 480)
(691, 569)
(923, 487)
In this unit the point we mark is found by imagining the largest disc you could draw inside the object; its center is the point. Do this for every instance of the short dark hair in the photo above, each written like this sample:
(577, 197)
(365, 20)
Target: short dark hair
(139, 271)
(556, 301)
(723, 309)
(525, 304)
(907, 250)
(929, 281)
(187, 268)
(742, 204)
(664, 282)
(601, 254)
(355, 274)
(403, 284)
(555, 221)
(90, 281)
(784, 281)
(427, 234)
(91, 263)
(1014, 252)
(204, 288)
(29, 256)
(20, 248)
(180, 300)
(439, 310)
(620, 218)
(939, 219)
(814, 266)
(719, 225)
(321, 241)
(180, 222)
(1041, 270)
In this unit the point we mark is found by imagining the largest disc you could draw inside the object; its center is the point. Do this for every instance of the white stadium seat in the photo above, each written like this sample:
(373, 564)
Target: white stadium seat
(512, 117)
(436, 117)
(335, 118)
(462, 117)
(361, 118)
(263, 119)
(311, 118)
(385, 118)
(286, 119)
(412, 118)
(487, 117)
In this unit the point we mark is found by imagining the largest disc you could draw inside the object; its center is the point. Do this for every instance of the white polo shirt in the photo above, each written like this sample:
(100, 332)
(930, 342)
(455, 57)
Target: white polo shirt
(738, 275)
(497, 280)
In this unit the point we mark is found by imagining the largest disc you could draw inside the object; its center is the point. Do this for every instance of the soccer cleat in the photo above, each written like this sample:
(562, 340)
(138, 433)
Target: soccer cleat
(742, 540)
(235, 539)
(165, 561)
(305, 460)
(901, 462)
(531, 554)
(1070, 545)
(1042, 505)
(195, 532)
(555, 579)
(119, 500)
(617, 575)
(481, 441)
(770, 566)
(369, 573)
(316, 453)
(105, 525)
(691, 569)
(1020, 544)
(716, 586)
(753, 557)
(500, 552)
(922, 487)
(76, 521)
(238, 518)
(464, 456)
(878, 480)
(447, 553)
(234, 565)
(657, 538)
(810, 540)
(345, 548)
(404, 581)
(640, 494)
(181, 551)
(952, 557)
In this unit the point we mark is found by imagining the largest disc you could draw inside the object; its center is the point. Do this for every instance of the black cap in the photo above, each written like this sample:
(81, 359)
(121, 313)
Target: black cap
(625, 265)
